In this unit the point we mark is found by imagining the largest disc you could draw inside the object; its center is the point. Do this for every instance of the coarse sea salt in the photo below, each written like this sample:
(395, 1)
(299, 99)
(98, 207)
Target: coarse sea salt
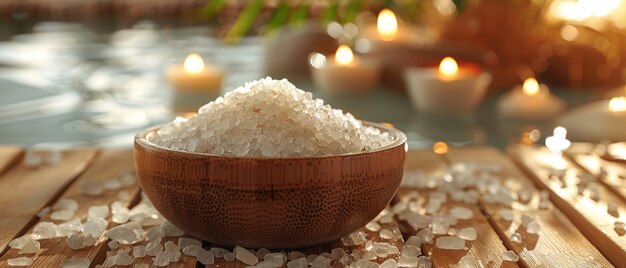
(269, 118)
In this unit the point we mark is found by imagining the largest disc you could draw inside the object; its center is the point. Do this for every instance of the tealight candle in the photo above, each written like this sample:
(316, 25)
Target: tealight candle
(386, 33)
(530, 101)
(344, 72)
(598, 121)
(194, 76)
(448, 89)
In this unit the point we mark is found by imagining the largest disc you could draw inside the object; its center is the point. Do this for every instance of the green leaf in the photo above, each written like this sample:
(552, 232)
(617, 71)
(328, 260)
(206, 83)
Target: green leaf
(300, 15)
(211, 9)
(352, 10)
(330, 13)
(279, 18)
(244, 21)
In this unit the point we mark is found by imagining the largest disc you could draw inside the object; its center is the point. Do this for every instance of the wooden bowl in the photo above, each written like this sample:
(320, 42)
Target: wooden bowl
(269, 202)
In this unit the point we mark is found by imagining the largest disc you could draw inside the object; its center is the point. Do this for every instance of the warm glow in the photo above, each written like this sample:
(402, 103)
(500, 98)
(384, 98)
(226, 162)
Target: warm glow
(558, 142)
(194, 64)
(583, 9)
(387, 24)
(344, 55)
(617, 104)
(531, 86)
(440, 147)
(189, 114)
(387, 124)
(448, 68)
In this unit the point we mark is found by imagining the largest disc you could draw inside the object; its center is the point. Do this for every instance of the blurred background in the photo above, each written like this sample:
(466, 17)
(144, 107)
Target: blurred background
(83, 73)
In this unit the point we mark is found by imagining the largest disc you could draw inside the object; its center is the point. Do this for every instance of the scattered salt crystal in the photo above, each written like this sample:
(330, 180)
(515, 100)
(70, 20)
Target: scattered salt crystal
(369, 255)
(619, 225)
(89, 241)
(161, 259)
(155, 233)
(385, 234)
(612, 210)
(425, 235)
(466, 262)
(516, 237)
(193, 250)
(94, 226)
(450, 242)
(98, 212)
(510, 256)
(187, 241)
(111, 184)
(453, 231)
(75, 263)
(21, 261)
(123, 234)
(113, 244)
(171, 230)
(347, 259)
(20, 242)
(123, 258)
(404, 261)
(75, 242)
(295, 255)
(265, 106)
(31, 247)
(90, 188)
(365, 264)
(261, 253)
(410, 251)
(337, 253)
(43, 212)
(390, 263)
(229, 256)
(386, 219)
(467, 233)
(65, 204)
(424, 262)
(298, 263)
(506, 214)
(310, 258)
(526, 220)
(62, 215)
(321, 262)
(245, 256)
(139, 251)
(205, 257)
(533, 227)
(462, 213)
(413, 241)
(355, 238)
(440, 224)
(276, 259)
(372, 226)
(219, 252)
(153, 248)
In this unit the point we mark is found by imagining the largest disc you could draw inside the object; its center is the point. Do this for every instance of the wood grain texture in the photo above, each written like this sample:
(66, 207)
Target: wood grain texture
(488, 242)
(559, 243)
(610, 173)
(589, 216)
(9, 155)
(28, 190)
(109, 165)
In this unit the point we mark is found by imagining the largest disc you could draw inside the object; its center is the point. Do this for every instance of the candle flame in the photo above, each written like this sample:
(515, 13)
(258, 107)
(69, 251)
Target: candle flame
(440, 147)
(560, 132)
(193, 64)
(558, 142)
(387, 24)
(617, 104)
(448, 68)
(531, 86)
(344, 55)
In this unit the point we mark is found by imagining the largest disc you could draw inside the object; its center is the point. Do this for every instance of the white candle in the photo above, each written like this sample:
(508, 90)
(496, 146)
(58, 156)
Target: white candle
(530, 101)
(193, 76)
(598, 121)
(343, 73)
(446, 90)
(386, 33)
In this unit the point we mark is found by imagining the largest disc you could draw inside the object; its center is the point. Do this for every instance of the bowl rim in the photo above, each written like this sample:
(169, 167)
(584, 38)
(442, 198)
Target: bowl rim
(401, 140)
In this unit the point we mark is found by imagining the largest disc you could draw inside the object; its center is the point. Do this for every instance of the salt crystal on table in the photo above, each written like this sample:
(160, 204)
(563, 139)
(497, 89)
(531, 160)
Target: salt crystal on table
(229, 256)
(43, 212)
(386, 219)
(516, 237)
(440, 224)
(123, 258)
(89, 241)
(187, 241)
(219, 252)
(510, 256)
(404, 261)
(450, 242)
(139, 251)
(533, 227)
(390, 263)
(122, 234)
(21, 261)
(30, 247)
(425, 235)
(467, 233)
(261, 253)
(20, 242)
(619, 225)
(193, 250)
(372, 226)
(276, 259)
(369, 255)
(414, 241)
(295, 255)
(462, 213)
(424, 262)
(94, 226)
(321, 262)
(75, 263)
(113, 244)
(337, 253)
(98, 211)
(44, 230)
(161, 259)
(155, 233)
(65, 204)
(365, 264)
(204, 256)
(466, 262)
(171, 230)
(90, 188)
(153, 248)
(75, 242)
(62, 215)
(111, 184)
(452, 231)
(612, 210)
(245, 256)
(298, 263)
(506, 214)
(171, 247)
(385, 234)
(410, 251)
(526, 220)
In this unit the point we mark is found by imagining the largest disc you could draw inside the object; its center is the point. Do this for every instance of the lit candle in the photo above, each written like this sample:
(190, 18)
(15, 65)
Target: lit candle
(387, 25)
(530, 101)
(343, 73)
(557, 143)
(387, 32)
(447, 89)
(194, 76)
(598, 121)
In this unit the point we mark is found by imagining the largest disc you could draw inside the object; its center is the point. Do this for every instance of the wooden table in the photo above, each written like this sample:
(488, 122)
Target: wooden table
(575, 231)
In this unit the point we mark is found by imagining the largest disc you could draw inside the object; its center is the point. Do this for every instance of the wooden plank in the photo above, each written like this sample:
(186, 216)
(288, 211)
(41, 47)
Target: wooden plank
(28, 190)
(611, 173)
(487, 245)
(589, 216)
(559, 243)
(9, 155)
(109, 165)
